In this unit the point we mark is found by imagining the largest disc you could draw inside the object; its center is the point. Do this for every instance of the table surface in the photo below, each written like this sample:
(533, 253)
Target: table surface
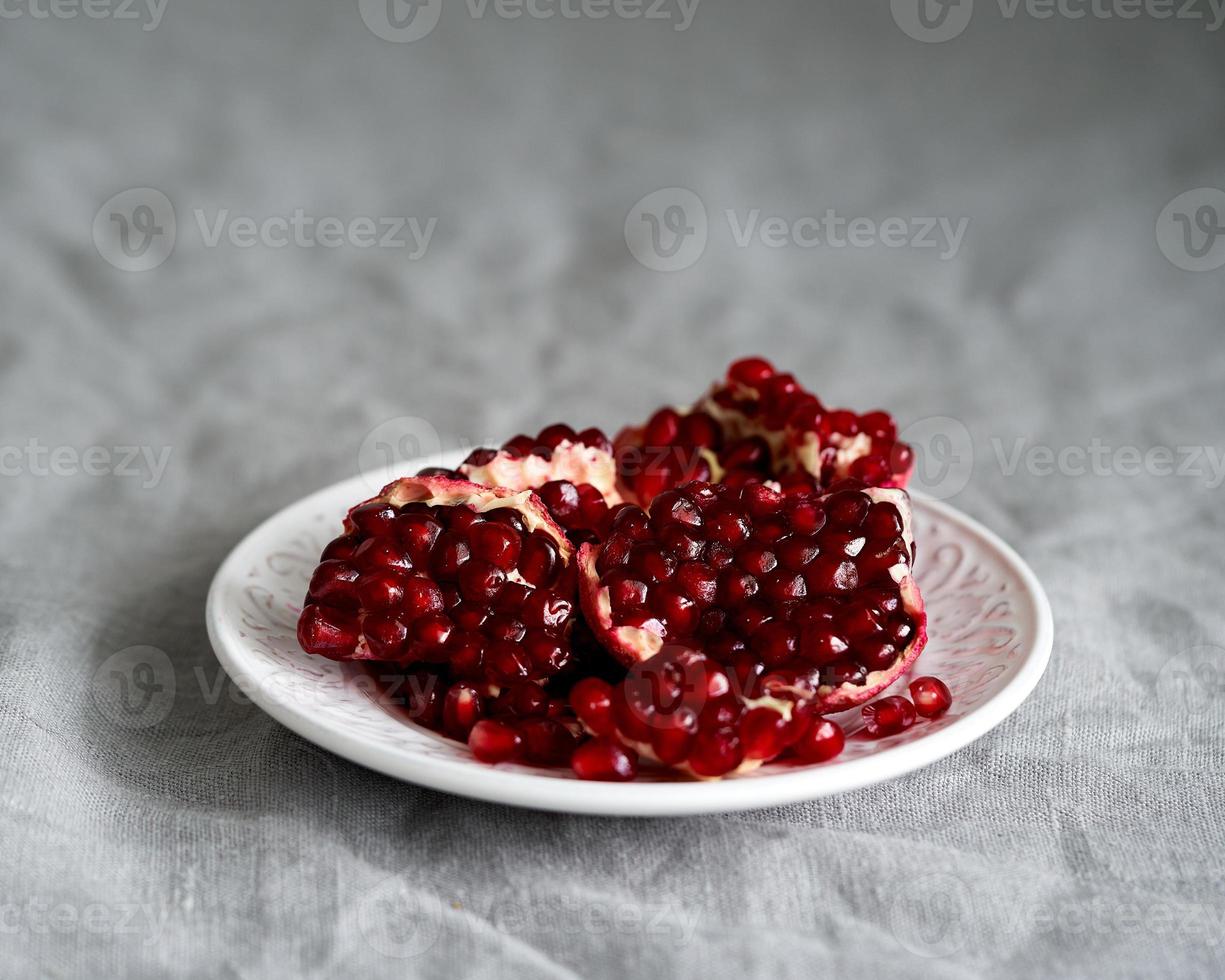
(1058, 350)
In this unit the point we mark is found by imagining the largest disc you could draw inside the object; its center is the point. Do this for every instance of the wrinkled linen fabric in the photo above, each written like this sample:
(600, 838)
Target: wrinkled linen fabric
(1079, 838)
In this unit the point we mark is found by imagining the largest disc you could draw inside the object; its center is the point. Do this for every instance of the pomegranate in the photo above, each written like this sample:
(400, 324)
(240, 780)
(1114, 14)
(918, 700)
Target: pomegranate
(817, 590)
(447, 572)
(830, 444)
(759, 424)
(931, 696)
(683, 710)
(574, 474)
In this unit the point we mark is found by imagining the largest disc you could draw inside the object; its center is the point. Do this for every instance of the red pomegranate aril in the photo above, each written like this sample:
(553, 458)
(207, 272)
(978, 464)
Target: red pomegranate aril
(651, 564)
(699, 429)
(879, 425)
(462, 708)
(494, 742)
(562, 499)
(604, 759)
(539, 560)
(421, 597)
(757, 559)
(480, 581)
(715, 753)
(751, 371)
(822, 741)
(373, 519)
(386, 635)
(888, 716)
(417, 533)
(496, 543)
(340, 549)
(335, 584)
(450, 552)
(547, 654)
(432, 630)
(508, 661)
(847, 509)
(761, 501)
(763, 733)
(727, 528)
(327, 632)
(554, 435)
(931, 695)
(698, 581)
(546, 610)
(796, 552)
(807, 516)
(504, 626)
(677, 609)
(381, 553)
(843, 672)
(875, 653)
(775, 643)
(546, 742)
(683, 546)
(380, 590)
(591, 699)
(820, 646)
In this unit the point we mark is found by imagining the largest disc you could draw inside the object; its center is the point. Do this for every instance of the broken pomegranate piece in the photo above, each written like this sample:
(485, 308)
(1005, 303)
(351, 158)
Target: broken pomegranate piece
(681, 709)
(574, 474)
(447, 572)
(818, 590)
(755, 400)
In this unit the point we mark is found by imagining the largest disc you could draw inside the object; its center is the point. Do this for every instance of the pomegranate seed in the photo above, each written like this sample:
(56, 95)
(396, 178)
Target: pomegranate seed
(539, 560)
(931, 695)
(386, 636)
(591, 699)
(888, 716)
(750, 371)
(715, 753)
(604, 759)
(327, 632)
(334, 584)
(495, 543)
(554, 435)
(546, 742)
(661, 429)
(699, 429)
(763, 733)
(821, 742)
(373, 519)
(462, 707)
(494, 742)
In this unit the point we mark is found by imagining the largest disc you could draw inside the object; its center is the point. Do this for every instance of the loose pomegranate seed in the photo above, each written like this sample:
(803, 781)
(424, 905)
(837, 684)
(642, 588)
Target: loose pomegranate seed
(820, 742)
(462, 707)
(547, 742)
(493, 741)
(763, 733)
(888, 716)
(931, 695)
(604, 759)
(591, 699)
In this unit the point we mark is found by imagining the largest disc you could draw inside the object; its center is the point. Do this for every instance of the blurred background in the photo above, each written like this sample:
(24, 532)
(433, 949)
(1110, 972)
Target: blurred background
(242, 242)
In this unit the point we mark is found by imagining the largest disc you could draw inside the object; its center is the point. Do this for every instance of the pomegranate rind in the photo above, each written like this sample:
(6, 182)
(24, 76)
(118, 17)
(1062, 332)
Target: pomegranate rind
(573, 461)
(633, 645)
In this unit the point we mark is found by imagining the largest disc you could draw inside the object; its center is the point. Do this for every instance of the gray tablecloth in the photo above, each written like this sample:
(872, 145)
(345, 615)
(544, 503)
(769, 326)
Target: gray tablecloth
(1063, 338)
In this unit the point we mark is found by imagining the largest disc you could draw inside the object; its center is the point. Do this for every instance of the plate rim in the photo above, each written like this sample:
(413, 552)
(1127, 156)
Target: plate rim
(679, 798)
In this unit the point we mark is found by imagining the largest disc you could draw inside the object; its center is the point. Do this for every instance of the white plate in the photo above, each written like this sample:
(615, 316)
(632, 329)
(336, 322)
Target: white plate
(989, 621)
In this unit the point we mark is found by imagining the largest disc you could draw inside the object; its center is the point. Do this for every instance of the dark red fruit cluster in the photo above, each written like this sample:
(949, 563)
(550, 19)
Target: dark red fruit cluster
(688, 712)
(806, 586)
(740, 573)
(773, 401)
(479, 592)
